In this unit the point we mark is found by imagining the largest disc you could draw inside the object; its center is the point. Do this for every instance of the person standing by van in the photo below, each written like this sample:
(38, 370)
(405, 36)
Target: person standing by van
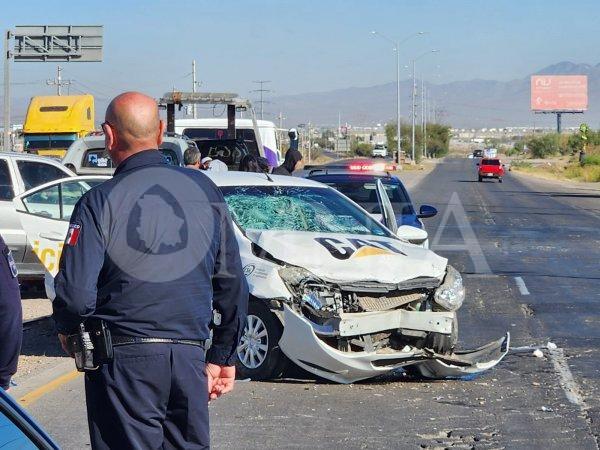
(293, 157)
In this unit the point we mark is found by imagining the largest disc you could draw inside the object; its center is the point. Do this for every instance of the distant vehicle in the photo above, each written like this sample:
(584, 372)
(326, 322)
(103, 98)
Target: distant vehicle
(490, 168)
(20, 172)
(88, 156)
(54, 122)
(359, 185)
(490, 153)
(380, 151)
(216, 130)
(478, 153)
(19, 430)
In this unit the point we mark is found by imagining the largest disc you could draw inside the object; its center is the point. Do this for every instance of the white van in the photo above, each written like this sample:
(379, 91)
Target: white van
(216, 129)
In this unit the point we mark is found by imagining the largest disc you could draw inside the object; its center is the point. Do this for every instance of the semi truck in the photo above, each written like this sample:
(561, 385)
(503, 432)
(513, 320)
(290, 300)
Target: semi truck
(54, 122)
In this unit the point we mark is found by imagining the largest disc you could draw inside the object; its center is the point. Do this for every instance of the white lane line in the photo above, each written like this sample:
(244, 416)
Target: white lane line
(521, 285)
(566, 380)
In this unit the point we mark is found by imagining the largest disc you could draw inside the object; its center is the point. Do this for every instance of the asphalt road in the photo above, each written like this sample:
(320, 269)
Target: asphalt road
(531, 267)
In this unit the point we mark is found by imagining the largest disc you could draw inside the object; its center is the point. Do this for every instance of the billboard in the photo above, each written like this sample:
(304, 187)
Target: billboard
(559, 93)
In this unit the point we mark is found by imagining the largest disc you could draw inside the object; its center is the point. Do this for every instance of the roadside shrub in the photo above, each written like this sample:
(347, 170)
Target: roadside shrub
(591, 160)
(520, 164)
(590, 173)
(361, 149)
(543, 146)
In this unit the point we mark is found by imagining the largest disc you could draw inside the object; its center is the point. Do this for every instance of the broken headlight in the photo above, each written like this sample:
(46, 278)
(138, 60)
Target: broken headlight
(451, 293)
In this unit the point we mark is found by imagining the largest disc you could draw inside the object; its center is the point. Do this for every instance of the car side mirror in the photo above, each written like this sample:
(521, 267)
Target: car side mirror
(412, 234)
(426, 211)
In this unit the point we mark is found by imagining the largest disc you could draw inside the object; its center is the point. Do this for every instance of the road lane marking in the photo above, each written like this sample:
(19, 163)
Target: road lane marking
(566, 380)
(36, 394)
(521, 285)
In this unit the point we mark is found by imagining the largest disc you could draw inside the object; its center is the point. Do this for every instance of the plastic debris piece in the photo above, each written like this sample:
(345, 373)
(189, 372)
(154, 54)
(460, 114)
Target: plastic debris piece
(538, 353)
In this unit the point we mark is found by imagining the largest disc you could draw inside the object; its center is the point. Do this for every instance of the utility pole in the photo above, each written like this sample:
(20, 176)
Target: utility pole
(58, 81)
(309, 141)
(194, 113)
(423, 114)
(262, 90)
(7, 58)
(414, 93)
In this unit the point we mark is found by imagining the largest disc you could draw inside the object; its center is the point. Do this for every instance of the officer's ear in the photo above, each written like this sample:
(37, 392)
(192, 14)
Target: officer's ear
(161, 127)
(109, 136)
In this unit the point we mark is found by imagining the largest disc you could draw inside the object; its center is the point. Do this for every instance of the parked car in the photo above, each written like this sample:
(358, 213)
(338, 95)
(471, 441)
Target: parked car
(490, 168)
(331, 289)
(359, 185)
(478, 153)
(20, 172)
(88, 156)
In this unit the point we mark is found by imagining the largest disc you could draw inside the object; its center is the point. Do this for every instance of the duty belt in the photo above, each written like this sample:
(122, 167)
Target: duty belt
(125, 340)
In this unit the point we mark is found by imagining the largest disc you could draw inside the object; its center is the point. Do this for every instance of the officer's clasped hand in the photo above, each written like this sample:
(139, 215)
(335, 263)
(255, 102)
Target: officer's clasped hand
(221, 380)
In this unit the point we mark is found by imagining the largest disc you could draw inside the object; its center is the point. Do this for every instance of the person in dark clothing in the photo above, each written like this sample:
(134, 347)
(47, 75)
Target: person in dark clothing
(152, 252)
(291, 162)
(263, 163)
(11, 316)
(249, 163)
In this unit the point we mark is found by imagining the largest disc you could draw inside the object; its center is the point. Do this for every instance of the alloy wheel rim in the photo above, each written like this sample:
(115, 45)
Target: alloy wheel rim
(254, 344)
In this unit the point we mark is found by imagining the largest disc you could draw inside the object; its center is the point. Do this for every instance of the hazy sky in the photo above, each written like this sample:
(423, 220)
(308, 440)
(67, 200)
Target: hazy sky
(306, 45)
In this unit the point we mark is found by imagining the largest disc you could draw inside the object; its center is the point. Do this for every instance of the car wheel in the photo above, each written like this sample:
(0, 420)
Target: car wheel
(499, 180)
(479, 179)
(259, 355)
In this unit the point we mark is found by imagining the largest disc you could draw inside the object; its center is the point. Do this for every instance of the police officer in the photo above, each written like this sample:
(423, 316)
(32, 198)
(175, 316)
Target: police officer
(151, 252)
(11, 316)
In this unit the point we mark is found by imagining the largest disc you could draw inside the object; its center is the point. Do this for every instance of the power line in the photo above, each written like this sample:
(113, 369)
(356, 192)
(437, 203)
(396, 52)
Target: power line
(262, 90)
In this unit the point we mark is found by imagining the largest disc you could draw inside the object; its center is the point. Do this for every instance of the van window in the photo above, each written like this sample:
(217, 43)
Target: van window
(35, 173)
(99, 158)
(217, 134)
(6, 188)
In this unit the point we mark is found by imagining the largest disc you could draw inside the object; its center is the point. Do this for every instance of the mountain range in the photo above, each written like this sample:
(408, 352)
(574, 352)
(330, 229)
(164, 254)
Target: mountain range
(473, 103)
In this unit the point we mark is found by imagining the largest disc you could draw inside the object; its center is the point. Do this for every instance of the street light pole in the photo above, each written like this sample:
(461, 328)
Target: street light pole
(397, 45)
(414, 93)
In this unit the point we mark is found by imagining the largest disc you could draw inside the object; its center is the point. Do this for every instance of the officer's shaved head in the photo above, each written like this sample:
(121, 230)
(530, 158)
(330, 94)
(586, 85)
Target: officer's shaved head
(132, 124)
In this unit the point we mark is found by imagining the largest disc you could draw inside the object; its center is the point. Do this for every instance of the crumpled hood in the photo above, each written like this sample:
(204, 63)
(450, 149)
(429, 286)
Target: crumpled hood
(351, 257)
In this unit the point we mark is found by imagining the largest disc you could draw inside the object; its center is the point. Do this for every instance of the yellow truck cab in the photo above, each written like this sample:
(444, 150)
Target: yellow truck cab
(54, 122)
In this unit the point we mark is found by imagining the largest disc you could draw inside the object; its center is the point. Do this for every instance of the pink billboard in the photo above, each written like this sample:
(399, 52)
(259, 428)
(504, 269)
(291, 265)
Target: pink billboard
(559, 93)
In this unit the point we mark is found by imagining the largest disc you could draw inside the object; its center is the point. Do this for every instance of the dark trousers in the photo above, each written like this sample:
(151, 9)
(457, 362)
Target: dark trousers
(152, 396)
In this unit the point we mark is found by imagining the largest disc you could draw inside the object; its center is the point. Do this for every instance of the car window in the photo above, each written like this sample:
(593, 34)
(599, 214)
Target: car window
(35, 173)
(490, 162)
(6, 187)
(12, 437)
(297, 208)
(96, 158)
(44, 203)
(99, 158)
(365, 194)
(58, 201)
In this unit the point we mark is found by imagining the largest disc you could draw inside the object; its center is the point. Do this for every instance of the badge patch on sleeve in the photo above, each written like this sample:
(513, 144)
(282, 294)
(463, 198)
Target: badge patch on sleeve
(73, 234)
(11, 263)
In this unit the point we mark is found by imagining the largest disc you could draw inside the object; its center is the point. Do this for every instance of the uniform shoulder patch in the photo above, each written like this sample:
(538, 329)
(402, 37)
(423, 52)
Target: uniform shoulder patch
(73, 234)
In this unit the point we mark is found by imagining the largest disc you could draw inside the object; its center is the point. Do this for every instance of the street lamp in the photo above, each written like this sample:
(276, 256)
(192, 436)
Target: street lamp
(414, 93)
(397, 45)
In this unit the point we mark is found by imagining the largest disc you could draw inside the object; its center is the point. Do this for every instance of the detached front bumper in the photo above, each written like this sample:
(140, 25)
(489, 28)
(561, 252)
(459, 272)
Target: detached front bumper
(300, 343)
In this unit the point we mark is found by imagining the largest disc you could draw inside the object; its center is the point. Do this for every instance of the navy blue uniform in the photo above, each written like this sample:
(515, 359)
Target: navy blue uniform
(11, 316)
(152, 252)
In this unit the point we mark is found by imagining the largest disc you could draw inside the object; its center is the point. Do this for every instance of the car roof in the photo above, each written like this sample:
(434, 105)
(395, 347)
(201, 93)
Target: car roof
(30, 156)
(353, 176)
(233, 178)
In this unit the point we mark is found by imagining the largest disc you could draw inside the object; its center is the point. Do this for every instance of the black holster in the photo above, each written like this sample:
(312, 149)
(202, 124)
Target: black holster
(91, 346)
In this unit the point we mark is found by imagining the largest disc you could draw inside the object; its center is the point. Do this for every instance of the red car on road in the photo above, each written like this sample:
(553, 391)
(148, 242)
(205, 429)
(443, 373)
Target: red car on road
(490, 168)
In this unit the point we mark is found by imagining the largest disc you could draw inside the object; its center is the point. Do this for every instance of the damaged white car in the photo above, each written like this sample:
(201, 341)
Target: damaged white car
(331, 289)
(339, 294)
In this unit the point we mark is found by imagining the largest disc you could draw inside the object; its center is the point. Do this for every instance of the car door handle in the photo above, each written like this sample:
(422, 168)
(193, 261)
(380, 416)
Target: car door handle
(52, 236)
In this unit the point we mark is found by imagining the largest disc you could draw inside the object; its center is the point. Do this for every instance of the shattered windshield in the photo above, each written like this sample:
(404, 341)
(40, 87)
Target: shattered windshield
(297, 208)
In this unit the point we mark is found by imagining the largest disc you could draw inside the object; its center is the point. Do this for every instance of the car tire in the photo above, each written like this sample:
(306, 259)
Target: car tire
(480, 179)
(264, 359)
(499, 180)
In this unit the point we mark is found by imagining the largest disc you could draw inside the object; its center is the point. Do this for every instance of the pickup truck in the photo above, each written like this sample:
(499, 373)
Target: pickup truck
(490, 168)
(20, 172)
